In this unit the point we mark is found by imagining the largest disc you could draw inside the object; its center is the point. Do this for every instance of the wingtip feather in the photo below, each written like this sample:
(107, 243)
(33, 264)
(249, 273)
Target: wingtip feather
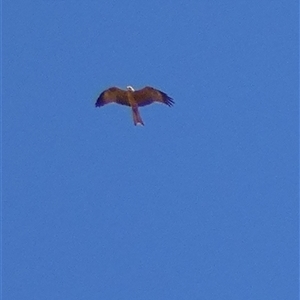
(168, 100)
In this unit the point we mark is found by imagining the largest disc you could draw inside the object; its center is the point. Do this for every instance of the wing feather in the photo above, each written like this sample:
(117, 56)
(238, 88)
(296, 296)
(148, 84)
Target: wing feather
(113, 95)
(148, 95)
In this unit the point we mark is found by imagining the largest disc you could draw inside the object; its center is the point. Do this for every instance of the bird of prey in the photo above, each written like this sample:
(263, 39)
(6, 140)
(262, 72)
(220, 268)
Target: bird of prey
(134, 99)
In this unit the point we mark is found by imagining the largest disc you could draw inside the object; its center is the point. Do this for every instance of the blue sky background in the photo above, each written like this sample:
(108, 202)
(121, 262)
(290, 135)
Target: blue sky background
(202, 202)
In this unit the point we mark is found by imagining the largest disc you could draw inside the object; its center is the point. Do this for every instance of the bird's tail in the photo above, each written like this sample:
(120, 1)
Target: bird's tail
(136, 116)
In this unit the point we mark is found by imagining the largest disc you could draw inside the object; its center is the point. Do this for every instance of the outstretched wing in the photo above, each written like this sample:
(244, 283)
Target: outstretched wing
(148, 95)
(111, 95)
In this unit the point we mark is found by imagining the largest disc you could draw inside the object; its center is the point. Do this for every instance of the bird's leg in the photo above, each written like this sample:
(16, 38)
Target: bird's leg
(136, 115)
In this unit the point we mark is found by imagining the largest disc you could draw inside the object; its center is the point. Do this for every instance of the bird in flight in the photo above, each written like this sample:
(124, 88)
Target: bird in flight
(134, 99)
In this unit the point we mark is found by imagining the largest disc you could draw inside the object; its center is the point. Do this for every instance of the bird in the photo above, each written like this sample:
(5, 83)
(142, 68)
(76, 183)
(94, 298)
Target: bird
(134, 99)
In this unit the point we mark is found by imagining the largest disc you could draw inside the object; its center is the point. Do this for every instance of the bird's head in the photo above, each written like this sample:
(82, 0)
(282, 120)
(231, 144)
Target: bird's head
(130, 88)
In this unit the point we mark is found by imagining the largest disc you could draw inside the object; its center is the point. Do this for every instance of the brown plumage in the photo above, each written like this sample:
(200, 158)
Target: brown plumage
(134, 99)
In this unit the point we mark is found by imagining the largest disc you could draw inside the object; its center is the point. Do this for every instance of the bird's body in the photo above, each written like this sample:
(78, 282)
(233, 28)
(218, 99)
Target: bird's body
(134, 99)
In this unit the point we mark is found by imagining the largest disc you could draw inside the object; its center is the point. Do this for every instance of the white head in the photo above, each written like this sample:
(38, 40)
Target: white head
(130, 88)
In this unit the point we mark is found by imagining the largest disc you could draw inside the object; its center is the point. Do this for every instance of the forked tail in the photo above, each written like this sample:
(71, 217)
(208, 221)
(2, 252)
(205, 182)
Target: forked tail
(136, 116)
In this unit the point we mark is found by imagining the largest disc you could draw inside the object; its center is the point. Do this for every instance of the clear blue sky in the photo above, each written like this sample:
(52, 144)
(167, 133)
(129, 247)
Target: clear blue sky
(202, 202)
